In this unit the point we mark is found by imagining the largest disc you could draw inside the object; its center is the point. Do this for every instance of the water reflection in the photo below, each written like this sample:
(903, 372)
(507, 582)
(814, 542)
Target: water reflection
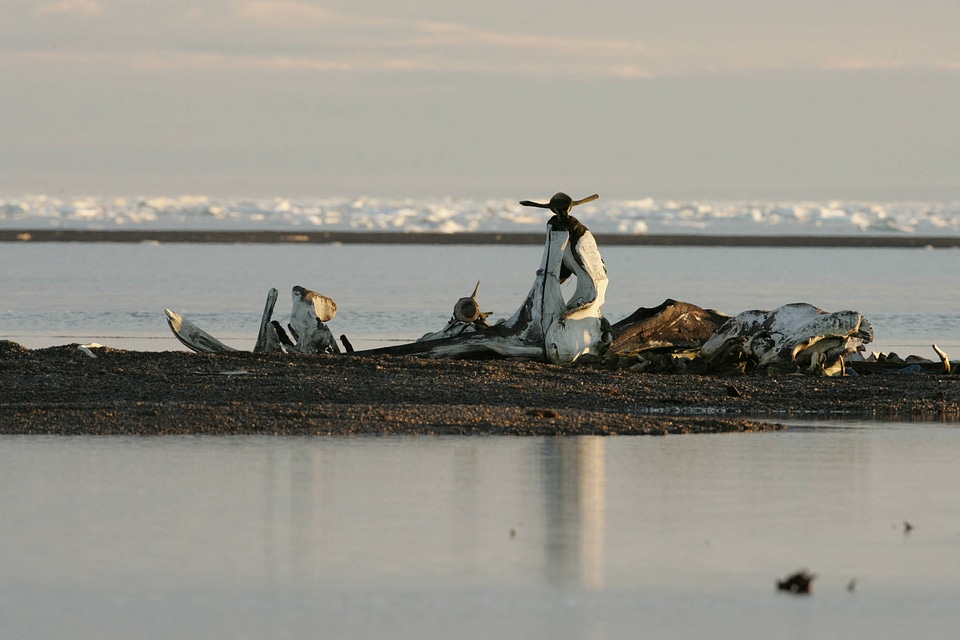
(328, 511)
(411, 537)
(572, 473)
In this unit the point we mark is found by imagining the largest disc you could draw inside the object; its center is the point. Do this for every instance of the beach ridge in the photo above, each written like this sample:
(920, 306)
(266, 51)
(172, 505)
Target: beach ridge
(63, 390)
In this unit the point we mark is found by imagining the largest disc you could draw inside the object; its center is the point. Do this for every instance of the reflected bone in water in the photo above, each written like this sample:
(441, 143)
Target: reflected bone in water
(573, 473)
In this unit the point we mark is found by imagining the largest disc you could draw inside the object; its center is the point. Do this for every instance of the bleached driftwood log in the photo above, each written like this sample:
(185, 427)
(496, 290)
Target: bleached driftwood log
(546, 326)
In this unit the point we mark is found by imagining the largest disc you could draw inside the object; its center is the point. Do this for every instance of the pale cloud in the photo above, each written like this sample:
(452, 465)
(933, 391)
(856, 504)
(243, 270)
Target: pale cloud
(174, 62)
(448, 33)
(293, 14)
(88, 7)
(169, 61)
(864, 64)
(407, 45)
(291, 36)
(607, 57)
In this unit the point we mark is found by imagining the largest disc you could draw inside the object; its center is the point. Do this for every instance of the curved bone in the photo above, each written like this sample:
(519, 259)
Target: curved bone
(566, 330)
(944, 360)
(581, 328)
(192, 336)
(545, 326)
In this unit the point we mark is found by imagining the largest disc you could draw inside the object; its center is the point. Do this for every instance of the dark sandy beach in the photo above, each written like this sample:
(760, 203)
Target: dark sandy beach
(62, 390)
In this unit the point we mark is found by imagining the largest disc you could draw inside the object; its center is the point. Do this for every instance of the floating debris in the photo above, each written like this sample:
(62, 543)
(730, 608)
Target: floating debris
(798, 583)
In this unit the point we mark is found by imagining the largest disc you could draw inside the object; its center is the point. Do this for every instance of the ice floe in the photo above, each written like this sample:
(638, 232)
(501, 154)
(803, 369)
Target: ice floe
(452, 215)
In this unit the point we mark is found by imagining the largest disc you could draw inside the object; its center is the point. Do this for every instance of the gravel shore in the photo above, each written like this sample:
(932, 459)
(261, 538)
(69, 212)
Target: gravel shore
(62, 390)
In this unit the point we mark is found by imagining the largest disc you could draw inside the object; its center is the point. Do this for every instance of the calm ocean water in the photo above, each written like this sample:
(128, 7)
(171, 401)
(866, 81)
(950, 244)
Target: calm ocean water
(416, 538)
(677, 537)
(115, 294)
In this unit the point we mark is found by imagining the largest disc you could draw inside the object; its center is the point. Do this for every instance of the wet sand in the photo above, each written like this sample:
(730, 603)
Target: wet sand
(61, 390)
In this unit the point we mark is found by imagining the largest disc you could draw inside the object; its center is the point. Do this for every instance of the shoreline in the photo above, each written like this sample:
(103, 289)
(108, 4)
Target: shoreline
(475, 238)
(61, 390)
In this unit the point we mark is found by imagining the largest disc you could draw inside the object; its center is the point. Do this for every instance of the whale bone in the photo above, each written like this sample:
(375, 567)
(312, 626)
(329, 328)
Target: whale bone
(791, 337)
(307, 324)
(546, 326)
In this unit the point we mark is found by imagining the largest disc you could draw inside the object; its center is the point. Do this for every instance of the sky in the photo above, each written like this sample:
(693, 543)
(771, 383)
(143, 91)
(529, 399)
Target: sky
(738, 99)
